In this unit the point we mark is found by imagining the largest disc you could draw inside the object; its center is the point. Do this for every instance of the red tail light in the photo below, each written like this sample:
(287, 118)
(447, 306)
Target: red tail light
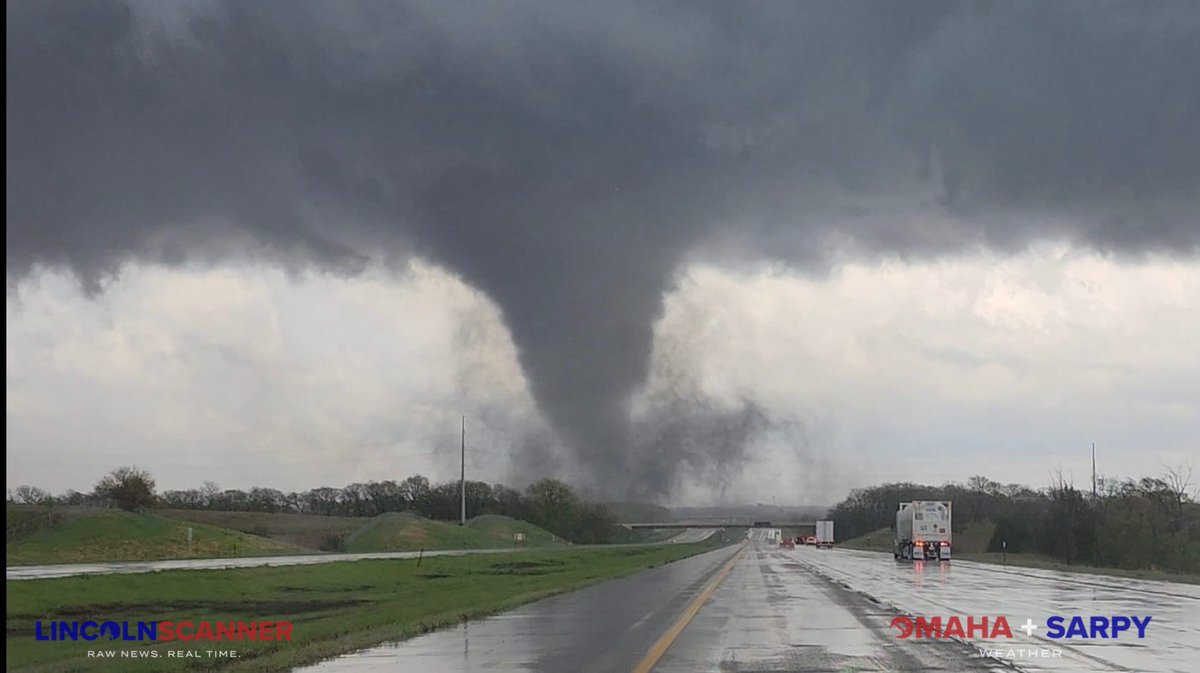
(945, 544)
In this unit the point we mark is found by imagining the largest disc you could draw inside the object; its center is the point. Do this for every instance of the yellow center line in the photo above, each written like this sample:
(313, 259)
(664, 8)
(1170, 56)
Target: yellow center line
(660, 648)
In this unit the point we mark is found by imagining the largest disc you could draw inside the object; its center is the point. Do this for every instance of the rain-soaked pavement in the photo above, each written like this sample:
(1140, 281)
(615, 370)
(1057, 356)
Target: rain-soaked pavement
(600, 629)
(963, 588)
(770, 614)
(808, 610)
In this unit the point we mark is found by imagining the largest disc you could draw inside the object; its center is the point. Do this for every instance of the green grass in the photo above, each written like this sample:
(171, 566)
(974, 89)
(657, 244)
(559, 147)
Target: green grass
(1033, 560)
(21, 521)
(335, 608)
(24, 515)
(394, 531)
(879, 540)
(78, 535)
(83, 536)
(972, 538)
(401, 531)
(306, 530)
(622, 535)
(502, 528)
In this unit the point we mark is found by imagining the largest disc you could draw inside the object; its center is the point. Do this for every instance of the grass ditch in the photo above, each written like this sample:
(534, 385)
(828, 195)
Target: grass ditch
(1042, 562)
(335, 608)
(976, 539)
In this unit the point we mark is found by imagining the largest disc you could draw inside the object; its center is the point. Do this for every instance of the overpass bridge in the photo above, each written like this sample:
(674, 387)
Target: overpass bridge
(723, 524)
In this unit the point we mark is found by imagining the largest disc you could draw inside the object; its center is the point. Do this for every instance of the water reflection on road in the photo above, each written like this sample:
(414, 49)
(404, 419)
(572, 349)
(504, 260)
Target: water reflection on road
(964, 588)
(607, 627)
(807, 610)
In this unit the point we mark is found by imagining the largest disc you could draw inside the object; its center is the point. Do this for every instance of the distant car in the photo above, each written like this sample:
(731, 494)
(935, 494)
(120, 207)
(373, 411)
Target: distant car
(811, 539)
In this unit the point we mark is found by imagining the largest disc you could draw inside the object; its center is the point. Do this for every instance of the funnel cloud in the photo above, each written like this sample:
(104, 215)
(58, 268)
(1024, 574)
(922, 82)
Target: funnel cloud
(567, 159)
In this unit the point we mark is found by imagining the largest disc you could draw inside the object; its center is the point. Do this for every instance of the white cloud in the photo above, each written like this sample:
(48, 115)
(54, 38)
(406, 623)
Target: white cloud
(224, 374)
(1006, 366)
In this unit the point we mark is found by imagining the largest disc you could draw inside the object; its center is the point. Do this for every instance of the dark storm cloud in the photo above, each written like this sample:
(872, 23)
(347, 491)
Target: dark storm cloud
(565, 157)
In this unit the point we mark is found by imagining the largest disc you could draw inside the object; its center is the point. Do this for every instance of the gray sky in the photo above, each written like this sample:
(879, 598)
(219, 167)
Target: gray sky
(658, 249)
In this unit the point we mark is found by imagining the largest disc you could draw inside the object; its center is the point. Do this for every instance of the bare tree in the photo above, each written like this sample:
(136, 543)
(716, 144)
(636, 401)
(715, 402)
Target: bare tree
(1179, 482)
(129, 487)
(31, 495)
(209, 493)
(1069, 528)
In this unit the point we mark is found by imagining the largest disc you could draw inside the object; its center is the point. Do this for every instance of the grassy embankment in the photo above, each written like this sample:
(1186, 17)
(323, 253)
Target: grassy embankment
(971, 545)
(335, 608)
(970, 539)
(400, 531)
(393, 531)
(80, 535)
(315, 532)
(83, 535)
(502, 528)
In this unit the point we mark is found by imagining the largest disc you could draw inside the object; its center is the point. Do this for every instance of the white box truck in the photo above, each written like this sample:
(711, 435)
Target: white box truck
(923, 531)
(824, 534)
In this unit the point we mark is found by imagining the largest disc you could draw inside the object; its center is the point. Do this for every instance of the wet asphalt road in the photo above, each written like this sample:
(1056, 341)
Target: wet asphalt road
(965, 588)
(803, 609)
(808, 610)
(769, 614)
(600, 629)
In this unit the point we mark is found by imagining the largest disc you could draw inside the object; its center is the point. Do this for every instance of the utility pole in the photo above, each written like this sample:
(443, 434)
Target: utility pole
(462, 482)
(1094, 495)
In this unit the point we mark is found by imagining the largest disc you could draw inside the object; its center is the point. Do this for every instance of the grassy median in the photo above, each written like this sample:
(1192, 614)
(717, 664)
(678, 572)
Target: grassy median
(335, 608)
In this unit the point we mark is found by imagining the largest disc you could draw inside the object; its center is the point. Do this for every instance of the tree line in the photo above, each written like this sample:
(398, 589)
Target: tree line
(548, 503)
(1153, 522)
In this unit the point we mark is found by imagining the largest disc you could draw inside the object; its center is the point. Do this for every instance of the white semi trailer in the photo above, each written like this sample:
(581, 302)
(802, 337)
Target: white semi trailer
(824, 534)
(923, 531)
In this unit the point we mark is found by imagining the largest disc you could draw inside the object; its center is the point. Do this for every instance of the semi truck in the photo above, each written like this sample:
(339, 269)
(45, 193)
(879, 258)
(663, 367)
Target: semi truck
(923, 531)
(824, 534)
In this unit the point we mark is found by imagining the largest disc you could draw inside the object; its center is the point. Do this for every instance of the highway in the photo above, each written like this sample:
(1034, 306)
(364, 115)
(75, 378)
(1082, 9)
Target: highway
(764, 616)
(135, 567)
(965, 588)
(758, 607)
